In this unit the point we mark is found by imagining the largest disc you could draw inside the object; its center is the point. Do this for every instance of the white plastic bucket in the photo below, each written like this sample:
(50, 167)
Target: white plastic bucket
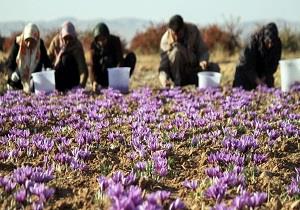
(118, 78)
(209, 79)
(290, 73)
(44, 81)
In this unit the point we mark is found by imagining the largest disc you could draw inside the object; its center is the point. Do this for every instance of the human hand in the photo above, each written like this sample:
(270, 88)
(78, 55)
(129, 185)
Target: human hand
(259, 81)
(26, 86)
(163, 79)
(95, 86)
(15, 77)
(203, 65)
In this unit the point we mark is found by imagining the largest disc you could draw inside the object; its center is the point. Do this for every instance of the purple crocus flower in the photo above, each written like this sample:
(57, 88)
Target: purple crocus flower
(81, 154)
(177, 205)
(115, 190)
(257, 199)
(222, 206)
(251, 200)
(153, 144)
(20, 196)
(141, 165)
(158, 197)
(293, 188)
(10, 185)
(216, 192)
(38, 205)
(132, 155)
(258, 159)
(213, 172)
(78, 165)
(135, 195)
(193, 184)
(63, 158)
(4, 155)
(150, 206)
(195, 141)
(118, 176)
(122, 202)
(42, 191)
(161, 166)
(129, 179)
(226, 158)
(232, 179)
(103, 183)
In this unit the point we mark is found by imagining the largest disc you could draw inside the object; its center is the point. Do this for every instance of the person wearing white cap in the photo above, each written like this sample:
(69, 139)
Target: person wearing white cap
(67, 55)
(28, 55)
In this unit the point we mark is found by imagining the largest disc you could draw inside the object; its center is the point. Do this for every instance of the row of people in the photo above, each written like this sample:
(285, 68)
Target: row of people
(66, 56)
(183, 55)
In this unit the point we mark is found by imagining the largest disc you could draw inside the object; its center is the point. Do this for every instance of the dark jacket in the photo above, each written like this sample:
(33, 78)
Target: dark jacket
(12, 64)
(106, 57)
(256, 61)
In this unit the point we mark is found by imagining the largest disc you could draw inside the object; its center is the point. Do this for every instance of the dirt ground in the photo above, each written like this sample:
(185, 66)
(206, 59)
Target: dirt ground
(75, 190)
(146, 71)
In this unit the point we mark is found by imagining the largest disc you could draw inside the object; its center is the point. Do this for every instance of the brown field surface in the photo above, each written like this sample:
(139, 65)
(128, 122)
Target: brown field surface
(146, 72)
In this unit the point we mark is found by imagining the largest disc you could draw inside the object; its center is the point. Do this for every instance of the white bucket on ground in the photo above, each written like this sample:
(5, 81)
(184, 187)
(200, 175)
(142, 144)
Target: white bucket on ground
(290, 73)
(118, 78)
(44, 81)
(209, 79)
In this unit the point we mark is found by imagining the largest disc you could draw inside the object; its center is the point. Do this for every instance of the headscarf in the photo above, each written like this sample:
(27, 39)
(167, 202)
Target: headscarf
(270, 32)
(67, 29)
(27, 59)
(176, 23)
(101, 29)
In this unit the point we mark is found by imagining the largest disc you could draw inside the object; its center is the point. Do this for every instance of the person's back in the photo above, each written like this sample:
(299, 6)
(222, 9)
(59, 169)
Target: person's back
(259, 60)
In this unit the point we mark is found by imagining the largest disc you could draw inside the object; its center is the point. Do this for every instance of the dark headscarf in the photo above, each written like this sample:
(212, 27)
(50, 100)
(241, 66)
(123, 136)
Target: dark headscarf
(271, 32)
(176, 23)
(101, 29)
(267, 32)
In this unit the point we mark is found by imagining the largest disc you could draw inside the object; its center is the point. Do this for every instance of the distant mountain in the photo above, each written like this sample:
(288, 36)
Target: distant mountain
(125, 27)
(249, 27)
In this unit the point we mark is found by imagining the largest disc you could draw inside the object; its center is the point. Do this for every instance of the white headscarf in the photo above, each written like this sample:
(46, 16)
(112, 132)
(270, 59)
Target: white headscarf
(27, 59)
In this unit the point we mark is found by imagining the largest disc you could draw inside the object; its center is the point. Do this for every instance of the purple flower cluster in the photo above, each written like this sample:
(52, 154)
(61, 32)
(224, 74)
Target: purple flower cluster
(294, 188)
(124, 194)
(225, 158)
(244, 144)
(160, 163)
(154, 128)
(250, 200)
(192, 184)
(26, 182)
(244, 201)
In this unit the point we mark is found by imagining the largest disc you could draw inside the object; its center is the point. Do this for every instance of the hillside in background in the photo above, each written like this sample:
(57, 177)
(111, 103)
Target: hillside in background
(125, 27)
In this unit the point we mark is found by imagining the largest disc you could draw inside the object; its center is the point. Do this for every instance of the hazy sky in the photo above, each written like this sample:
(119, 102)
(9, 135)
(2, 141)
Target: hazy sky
(198, 11)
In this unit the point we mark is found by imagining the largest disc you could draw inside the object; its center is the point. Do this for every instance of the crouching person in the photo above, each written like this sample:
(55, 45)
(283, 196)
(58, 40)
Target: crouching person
(28, 55)
(183, 54)
(107, 52)
(259, 60)
(67, 55)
